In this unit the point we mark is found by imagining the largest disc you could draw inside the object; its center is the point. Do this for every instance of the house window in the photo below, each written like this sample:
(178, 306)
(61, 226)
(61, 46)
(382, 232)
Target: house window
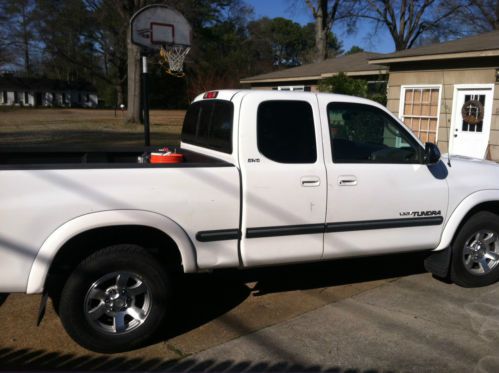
(26, 98)
(420, 107)
(299, 88)
(16, 97)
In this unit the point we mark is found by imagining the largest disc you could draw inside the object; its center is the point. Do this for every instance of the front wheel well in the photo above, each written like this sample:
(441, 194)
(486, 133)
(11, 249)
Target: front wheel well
(157, 243)
(490, 206)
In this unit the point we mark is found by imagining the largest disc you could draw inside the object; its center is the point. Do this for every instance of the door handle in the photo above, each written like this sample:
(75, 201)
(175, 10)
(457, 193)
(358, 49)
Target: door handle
(348, 180)
(310, 181)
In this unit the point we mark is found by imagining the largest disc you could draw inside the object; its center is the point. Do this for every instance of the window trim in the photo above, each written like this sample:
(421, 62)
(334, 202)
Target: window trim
(403, 89)
(413, 140)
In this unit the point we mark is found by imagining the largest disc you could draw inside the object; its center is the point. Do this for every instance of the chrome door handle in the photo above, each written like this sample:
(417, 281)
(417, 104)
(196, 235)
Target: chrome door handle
(347, 180)
(310, 181)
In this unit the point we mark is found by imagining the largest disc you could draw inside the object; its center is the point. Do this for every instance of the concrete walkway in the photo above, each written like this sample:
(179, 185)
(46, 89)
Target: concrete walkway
(415, 324)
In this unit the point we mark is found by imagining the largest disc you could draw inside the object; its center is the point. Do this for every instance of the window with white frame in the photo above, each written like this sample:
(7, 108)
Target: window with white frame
(301, 88)
(419, 109)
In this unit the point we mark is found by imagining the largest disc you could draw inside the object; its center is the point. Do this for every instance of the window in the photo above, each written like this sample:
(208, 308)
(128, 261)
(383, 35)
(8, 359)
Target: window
(365, 134)
(209, 124)
(26, 98)
(299, 88)
(420, 108)
(16, 97)
(285, 131)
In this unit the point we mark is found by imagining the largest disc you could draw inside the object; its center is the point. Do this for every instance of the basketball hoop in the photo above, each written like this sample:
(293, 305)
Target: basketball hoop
(171, 58)
(159, 27)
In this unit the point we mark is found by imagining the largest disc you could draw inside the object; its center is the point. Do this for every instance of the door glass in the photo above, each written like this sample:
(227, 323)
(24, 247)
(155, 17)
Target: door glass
(365, 134)
(472, 113)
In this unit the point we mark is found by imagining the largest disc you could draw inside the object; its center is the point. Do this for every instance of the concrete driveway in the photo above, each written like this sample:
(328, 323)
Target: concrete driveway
(364, 315)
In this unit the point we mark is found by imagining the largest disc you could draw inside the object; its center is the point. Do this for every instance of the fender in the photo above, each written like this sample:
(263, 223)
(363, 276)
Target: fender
(460, 212)
(72, 228)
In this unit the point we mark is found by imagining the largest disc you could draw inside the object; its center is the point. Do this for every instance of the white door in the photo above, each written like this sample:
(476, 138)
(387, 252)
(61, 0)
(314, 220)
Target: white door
(471, 117)
(283, 178)
(381, 197)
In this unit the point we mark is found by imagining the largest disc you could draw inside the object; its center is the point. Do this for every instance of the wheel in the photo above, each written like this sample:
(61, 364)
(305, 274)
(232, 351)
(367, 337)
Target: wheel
(115, 299)
(475, 251)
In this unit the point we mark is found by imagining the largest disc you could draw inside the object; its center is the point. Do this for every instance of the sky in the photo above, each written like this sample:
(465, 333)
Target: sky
(297, 11)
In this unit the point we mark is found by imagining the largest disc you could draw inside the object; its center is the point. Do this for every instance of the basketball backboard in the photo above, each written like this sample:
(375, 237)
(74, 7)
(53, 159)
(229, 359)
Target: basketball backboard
(155, 26)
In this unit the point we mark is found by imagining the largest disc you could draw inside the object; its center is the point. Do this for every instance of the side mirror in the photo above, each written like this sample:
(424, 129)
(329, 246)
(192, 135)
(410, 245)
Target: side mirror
(431, 153)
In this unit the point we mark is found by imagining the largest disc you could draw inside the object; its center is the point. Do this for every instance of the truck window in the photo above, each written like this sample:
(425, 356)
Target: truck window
(209, 124)
(285, 131)
(365, 134)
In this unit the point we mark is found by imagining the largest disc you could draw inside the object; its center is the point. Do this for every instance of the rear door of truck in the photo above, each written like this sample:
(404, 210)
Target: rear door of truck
(283, 177)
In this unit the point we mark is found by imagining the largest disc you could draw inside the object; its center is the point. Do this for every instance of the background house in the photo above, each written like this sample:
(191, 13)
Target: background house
(18, 91)
(448, 93)
(307, 77)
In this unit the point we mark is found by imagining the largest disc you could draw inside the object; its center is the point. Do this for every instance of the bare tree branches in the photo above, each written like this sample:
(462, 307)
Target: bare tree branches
(408, 20)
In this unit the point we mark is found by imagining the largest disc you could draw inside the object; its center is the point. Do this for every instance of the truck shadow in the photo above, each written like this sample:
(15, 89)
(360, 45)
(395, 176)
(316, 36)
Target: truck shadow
(204, 297)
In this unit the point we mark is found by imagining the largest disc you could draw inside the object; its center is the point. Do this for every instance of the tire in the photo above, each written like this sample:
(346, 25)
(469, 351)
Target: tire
(115, 299)
(475, 251)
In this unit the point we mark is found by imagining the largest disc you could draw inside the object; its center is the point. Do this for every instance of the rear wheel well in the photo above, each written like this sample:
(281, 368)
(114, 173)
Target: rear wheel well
(157, 243)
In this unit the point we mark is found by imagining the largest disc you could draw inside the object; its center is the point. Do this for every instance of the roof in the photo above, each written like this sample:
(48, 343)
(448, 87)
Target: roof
(482, 45)
(42, 84)
(353, 64)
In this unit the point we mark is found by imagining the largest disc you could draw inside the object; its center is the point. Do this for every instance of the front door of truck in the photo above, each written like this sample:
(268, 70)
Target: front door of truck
(381, 198)
(283, 178)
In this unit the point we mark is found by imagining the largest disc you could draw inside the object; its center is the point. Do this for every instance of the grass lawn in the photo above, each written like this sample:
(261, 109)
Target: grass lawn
(84, 128)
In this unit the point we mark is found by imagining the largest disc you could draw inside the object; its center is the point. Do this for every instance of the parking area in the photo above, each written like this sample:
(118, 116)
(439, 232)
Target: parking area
(377, 314)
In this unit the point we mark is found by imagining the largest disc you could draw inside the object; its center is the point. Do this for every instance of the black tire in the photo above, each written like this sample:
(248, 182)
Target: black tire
(89, 290)
(467, 264)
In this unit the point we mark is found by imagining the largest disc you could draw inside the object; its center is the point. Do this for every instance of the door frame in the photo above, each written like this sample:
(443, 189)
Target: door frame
(460, 87)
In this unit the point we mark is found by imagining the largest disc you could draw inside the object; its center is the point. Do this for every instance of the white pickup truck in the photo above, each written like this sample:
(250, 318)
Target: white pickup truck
(268, 178)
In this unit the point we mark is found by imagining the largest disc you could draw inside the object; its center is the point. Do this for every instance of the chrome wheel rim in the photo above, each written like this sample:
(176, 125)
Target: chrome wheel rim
(481, 252)
(117, 303)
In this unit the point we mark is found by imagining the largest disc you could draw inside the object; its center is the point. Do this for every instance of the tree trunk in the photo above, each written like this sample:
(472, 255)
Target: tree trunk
(119, 94)
(133, 109)
(320, 35)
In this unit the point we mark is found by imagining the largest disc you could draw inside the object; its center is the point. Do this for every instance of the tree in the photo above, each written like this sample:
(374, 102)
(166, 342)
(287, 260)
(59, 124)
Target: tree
(326, 13)
(353, 50)
(18, 30)
(406, 20)
(472, 16)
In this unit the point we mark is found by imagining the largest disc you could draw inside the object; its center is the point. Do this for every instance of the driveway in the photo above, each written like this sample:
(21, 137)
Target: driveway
(363, 315)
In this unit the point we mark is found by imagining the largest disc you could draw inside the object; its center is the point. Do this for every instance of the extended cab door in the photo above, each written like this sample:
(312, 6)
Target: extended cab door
(283, 177)
(381, 198)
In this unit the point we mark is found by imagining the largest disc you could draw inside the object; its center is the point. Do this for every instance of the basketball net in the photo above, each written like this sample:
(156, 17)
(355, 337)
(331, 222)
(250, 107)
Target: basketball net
(172, 59)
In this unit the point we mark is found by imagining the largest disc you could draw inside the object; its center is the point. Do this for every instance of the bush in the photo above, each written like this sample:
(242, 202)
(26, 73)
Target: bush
(345, 85)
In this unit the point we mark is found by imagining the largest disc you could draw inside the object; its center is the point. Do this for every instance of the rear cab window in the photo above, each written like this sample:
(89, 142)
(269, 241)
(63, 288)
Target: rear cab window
(209, 124)
(285, 131)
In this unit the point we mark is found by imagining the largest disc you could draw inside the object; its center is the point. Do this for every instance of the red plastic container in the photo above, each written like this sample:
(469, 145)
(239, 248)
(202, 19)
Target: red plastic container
(166, 158)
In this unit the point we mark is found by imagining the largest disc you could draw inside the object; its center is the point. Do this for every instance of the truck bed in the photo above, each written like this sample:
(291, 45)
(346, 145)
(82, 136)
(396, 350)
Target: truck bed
(61, 158)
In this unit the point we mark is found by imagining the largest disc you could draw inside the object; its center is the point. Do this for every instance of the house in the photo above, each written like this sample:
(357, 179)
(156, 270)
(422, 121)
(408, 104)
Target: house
(19, 91)
(448, 93)
(307, 77)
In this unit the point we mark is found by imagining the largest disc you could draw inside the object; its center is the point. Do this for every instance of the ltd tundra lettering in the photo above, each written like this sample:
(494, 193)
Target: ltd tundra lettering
(105, 232)
(421, 213)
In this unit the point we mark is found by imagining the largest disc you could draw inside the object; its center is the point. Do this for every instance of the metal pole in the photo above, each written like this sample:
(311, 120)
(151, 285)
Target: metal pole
(145, 102)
